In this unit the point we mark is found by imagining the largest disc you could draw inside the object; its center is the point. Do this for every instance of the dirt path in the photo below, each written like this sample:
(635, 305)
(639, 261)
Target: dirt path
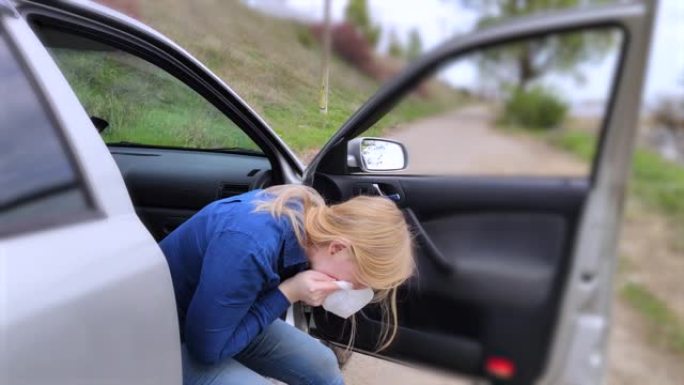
(648, 259)
(464, 142)
(366, 370)
(632, 359)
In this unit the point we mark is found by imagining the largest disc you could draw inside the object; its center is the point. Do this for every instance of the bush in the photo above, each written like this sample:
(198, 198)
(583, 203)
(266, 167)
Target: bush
(535, 108)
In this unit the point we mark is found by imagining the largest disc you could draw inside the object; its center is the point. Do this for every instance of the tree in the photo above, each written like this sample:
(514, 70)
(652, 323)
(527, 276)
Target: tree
(528, 60)
(394, 48)
(357, 14)
(415, 45)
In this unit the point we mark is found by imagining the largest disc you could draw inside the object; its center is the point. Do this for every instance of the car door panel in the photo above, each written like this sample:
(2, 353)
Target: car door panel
(80, 326)
(509, 268)
(518, 252)
(491, 256)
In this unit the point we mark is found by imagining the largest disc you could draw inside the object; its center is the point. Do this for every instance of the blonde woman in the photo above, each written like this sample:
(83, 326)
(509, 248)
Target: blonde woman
(239, 263)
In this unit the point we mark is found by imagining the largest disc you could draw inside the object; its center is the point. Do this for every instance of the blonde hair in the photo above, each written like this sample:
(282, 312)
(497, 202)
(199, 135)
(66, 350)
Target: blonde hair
(373, 227)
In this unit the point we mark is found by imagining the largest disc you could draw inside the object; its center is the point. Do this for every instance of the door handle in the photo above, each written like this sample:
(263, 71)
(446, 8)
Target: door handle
(396, 197)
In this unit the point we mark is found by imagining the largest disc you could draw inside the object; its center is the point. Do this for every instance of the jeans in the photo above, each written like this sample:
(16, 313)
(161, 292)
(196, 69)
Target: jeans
(282, 352)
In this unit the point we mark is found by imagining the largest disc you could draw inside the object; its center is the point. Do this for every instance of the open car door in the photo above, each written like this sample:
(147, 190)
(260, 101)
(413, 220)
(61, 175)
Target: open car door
(514, 278)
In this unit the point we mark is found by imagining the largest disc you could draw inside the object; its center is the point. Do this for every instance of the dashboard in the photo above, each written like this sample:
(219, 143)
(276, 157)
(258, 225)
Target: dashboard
(167, 186)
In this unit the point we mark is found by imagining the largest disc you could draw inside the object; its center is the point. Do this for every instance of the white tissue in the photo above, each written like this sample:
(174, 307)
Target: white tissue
(346, 301)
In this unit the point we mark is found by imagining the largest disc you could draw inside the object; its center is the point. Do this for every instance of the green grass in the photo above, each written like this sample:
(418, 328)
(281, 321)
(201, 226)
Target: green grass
(659, 183)
(579, 143)
(665, 328)
(144, 104)
(268, 62)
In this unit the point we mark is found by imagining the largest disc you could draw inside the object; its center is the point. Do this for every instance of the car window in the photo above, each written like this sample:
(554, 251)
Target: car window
(525, 108)
(40, 185)
(141, 103)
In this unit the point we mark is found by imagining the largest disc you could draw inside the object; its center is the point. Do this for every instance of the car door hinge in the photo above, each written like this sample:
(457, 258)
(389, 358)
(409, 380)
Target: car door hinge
(6, 8)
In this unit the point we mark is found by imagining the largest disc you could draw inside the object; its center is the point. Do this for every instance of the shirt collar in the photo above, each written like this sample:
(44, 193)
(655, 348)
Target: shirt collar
(293, 252)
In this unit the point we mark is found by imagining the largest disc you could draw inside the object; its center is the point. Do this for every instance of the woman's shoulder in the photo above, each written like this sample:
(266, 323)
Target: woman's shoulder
(235, 205)
(238, 214)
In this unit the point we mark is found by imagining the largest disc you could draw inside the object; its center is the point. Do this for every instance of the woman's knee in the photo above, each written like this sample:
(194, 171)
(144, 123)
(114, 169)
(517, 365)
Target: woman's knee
(316, 364)
(226, 372)
(293, 356)
(325, 369)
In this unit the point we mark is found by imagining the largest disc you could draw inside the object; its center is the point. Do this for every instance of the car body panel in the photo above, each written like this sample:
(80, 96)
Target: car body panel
(580, 346)
(78, 299)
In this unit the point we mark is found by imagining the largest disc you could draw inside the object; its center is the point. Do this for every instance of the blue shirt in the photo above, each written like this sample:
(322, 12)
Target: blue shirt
(226, 264)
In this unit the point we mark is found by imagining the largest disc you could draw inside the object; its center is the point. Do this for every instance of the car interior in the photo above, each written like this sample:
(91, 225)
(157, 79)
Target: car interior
(168, 186)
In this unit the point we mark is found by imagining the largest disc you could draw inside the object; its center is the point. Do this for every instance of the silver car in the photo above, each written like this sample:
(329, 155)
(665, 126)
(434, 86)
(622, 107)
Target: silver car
(515, 273)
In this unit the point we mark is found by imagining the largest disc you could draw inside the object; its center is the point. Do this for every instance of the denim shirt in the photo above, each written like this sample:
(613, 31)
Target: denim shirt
(226, 264)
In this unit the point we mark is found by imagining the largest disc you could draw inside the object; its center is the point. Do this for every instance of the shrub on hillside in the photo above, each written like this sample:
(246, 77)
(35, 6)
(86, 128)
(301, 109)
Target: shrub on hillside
(534, 108)
(350, 45)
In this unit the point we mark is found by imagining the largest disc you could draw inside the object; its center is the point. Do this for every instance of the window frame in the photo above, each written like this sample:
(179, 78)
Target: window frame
(332, 157)
(445, 60)
(90, 211)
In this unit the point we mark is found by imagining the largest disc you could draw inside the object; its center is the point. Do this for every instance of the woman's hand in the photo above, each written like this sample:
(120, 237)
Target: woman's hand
(310, 287)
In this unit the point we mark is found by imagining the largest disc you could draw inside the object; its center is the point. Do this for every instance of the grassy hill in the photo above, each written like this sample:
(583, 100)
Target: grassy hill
(274, 65)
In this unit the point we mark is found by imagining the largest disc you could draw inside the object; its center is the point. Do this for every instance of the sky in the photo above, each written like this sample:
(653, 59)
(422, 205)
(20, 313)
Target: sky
(436, 20)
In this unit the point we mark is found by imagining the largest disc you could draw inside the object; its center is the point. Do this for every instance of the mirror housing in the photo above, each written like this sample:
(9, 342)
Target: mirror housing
(376, 154)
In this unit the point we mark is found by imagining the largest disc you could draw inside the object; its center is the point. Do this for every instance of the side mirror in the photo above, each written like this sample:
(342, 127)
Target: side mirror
(375, 154)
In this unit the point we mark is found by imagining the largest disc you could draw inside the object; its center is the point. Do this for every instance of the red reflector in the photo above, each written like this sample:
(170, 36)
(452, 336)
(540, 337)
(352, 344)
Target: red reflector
(500, 367)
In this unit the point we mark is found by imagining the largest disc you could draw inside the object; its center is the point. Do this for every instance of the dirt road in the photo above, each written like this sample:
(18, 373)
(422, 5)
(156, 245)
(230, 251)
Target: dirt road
(464, 142)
